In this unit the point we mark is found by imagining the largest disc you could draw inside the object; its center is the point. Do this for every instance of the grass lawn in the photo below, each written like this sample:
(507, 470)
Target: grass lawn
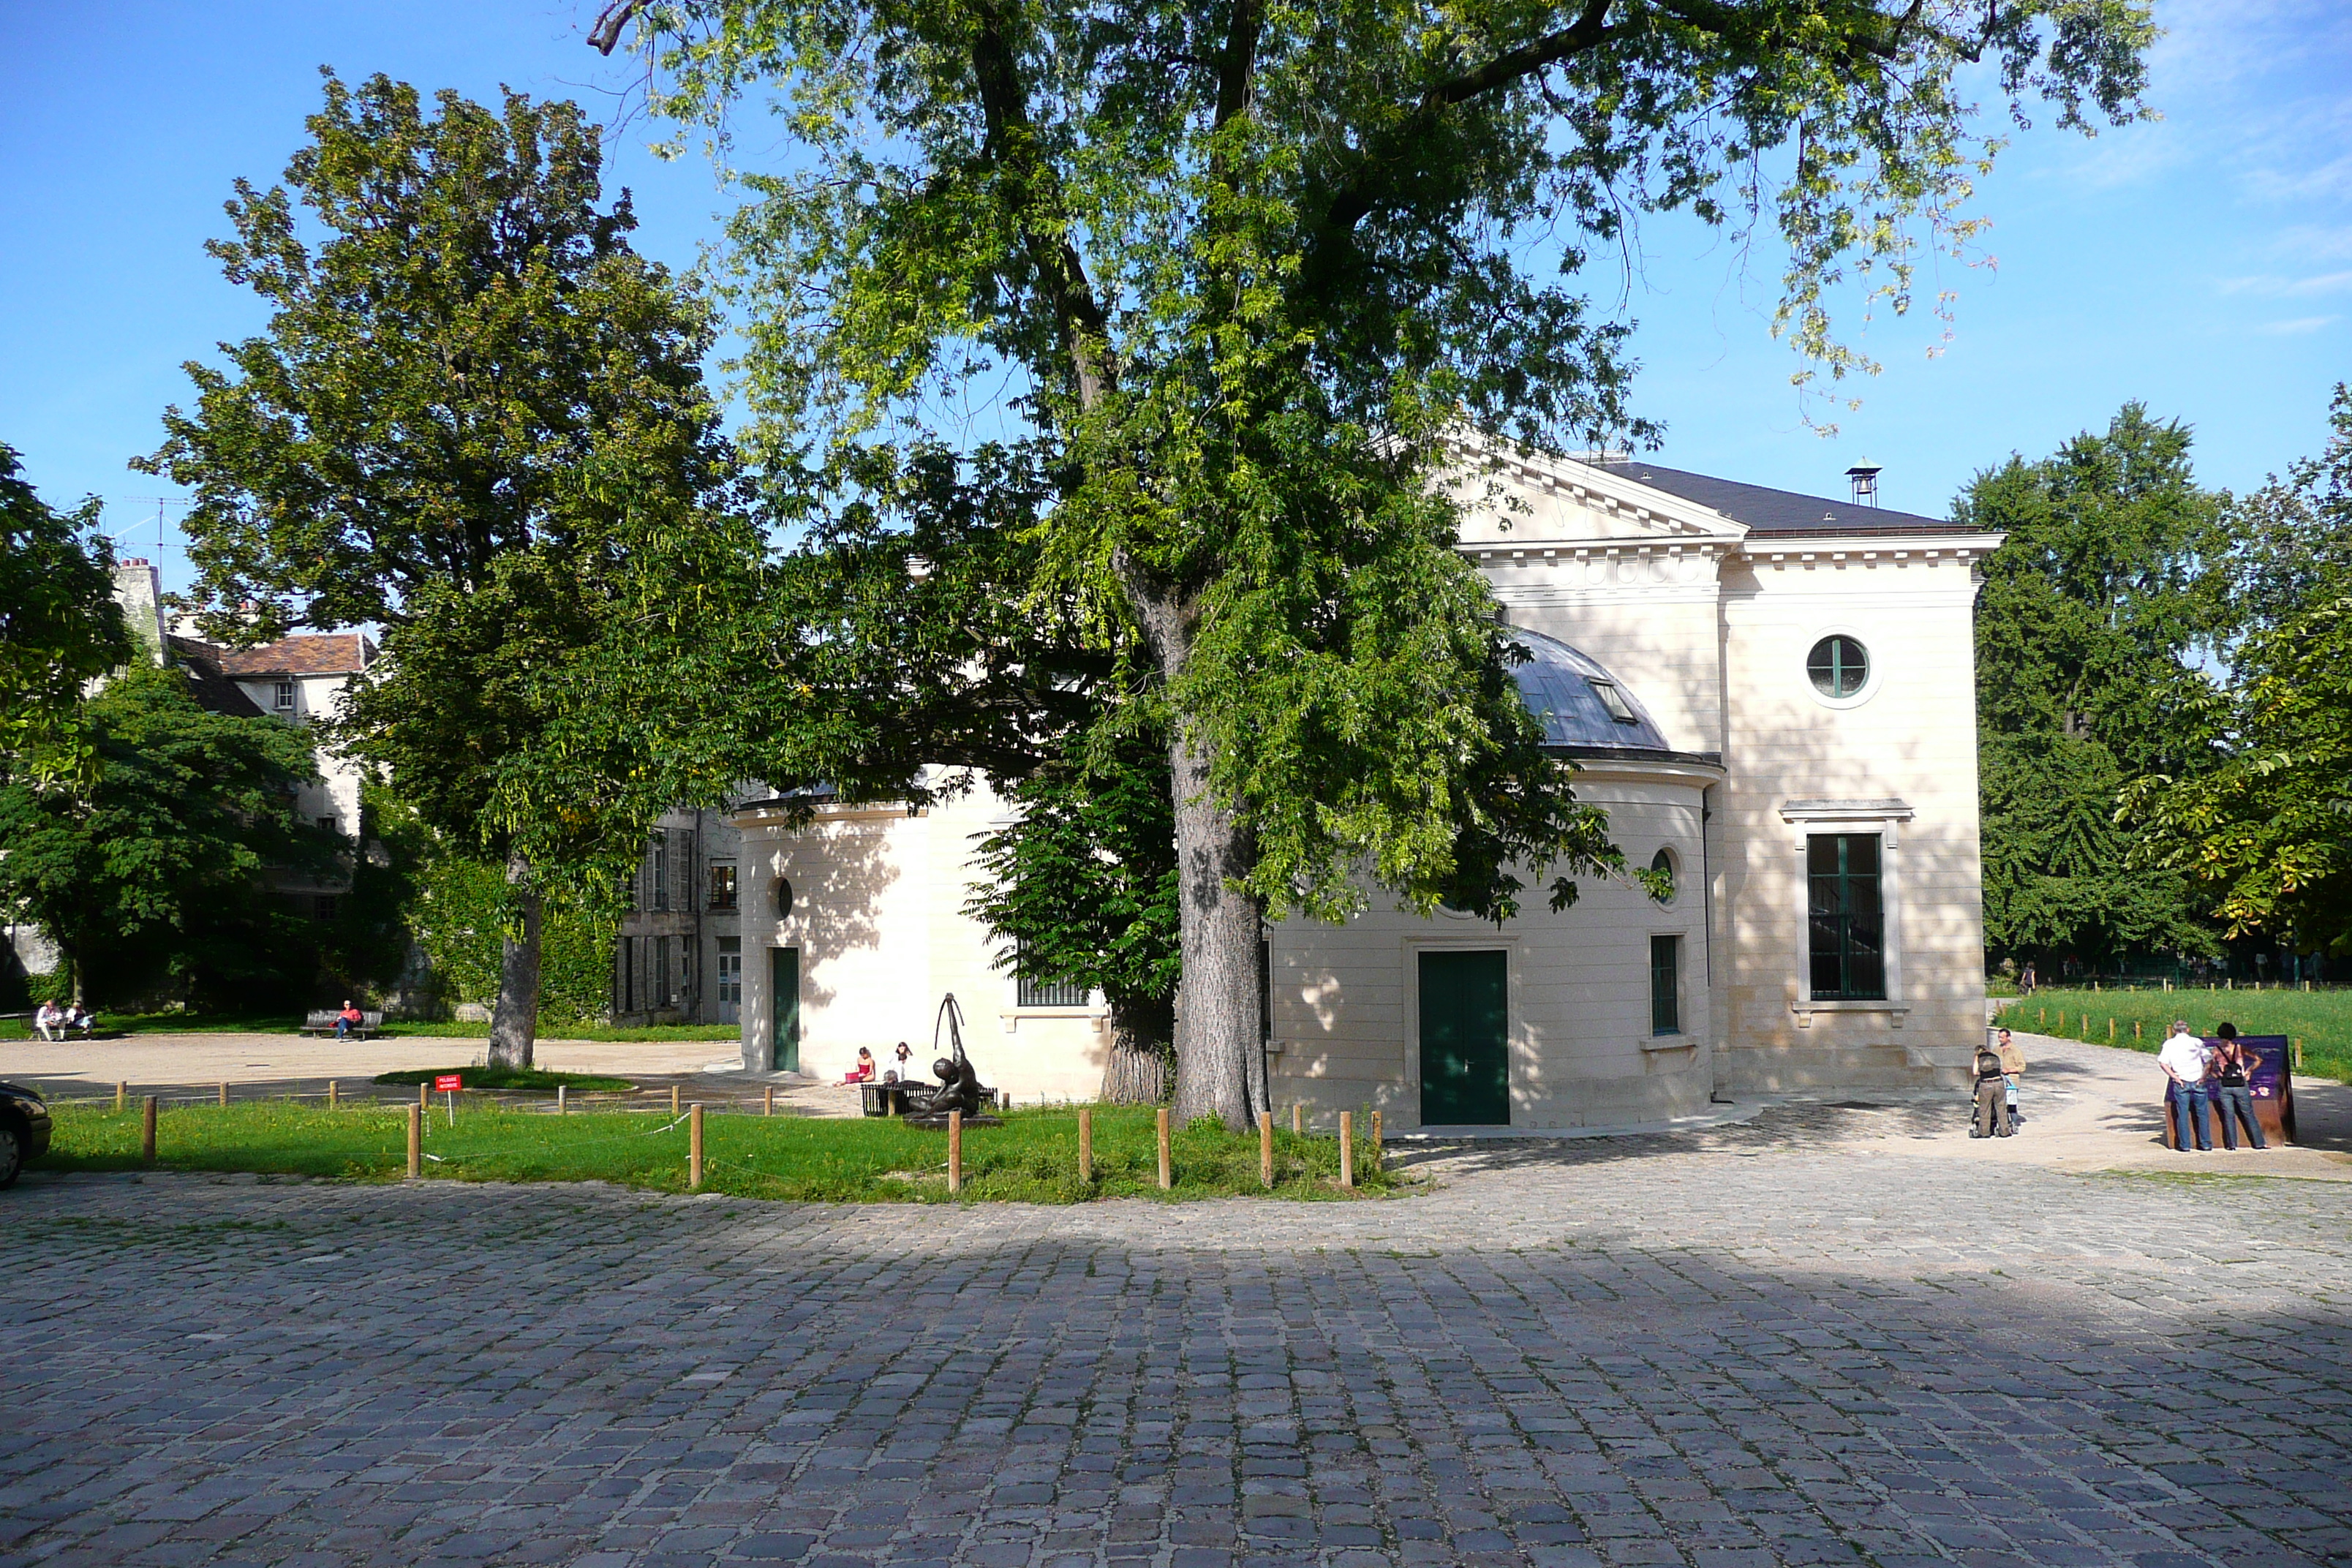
(289, 1023)
(1033, 1158)
(2322, 1020)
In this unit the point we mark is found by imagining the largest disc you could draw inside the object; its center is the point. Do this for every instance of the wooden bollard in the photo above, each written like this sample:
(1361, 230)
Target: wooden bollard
(121, 1093)
(416, 1142)
(424, 1095)
(955, 1150)
(1167, 1164)
(562, 1100)
(1265, 1149)
(2297, 1043)
(224, 1094)
(1086, 1143)
(1346, 1148)
(1378, 1142)
(770, 1109)
(694, 1149)
(2136, 1034)
(1297, 1117)
(147, 1132)
(2111, 1031)
(332, 1098)
(673, 1100)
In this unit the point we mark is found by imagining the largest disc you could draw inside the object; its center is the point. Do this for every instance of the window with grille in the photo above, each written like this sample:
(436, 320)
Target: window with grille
(661, 871)
(282, 697)
(1665, 985)
(1033, 993)
(1848, 919)
(1840, 667)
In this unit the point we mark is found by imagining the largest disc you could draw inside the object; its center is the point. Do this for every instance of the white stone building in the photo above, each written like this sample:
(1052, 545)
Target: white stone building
(1773, 696)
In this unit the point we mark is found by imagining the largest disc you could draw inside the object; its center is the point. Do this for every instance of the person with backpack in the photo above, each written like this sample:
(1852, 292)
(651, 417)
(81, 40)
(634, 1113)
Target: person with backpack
(2234, 1067)
(1992, 1097)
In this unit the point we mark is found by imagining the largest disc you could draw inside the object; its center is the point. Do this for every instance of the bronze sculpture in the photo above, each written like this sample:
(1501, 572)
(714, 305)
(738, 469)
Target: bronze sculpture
(959, 1087)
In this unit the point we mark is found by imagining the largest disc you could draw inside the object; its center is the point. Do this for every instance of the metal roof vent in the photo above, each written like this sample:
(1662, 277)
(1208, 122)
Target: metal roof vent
(1865, 483)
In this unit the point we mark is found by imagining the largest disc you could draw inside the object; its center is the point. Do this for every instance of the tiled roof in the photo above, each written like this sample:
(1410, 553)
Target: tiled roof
(200, 661)
(329, 653)
(1777, 512)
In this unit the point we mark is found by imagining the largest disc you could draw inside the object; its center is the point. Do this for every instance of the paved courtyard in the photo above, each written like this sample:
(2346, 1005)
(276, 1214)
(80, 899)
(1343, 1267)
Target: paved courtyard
(1831, 1335)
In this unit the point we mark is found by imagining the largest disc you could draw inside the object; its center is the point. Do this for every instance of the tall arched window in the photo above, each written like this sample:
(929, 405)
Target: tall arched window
(1663, 863)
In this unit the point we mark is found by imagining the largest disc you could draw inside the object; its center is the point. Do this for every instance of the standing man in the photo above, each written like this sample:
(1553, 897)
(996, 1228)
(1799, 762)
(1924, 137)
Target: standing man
(2185, 1061)
(2012, 1067)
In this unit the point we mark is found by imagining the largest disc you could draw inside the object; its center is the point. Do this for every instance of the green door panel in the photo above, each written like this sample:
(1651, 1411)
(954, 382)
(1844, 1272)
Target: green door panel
(784, 998)
(1465, 1056)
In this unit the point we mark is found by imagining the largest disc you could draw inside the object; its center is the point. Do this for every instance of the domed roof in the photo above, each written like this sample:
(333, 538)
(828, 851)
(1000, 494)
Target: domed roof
(1582, 706)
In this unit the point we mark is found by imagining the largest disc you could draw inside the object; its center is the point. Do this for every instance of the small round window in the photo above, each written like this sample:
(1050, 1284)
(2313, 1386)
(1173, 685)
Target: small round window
(1838, 666)
(1663, 864)
(783, 898)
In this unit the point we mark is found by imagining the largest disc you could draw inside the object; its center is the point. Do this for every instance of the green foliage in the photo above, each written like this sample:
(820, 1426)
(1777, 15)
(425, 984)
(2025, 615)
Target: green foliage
(1083, 884)
(1033, 1158)
(464, 906)
(2095, 613)
(59, 628)
(477, 418)
(149, 875)
(2266, 834)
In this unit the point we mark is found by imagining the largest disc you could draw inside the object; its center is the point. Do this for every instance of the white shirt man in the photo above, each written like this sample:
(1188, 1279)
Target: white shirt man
(2183, 1057)
(49, 1021)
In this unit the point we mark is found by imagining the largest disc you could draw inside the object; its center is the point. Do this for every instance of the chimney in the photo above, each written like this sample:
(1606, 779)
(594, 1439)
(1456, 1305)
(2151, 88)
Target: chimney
(1865, 483)
(142, 598)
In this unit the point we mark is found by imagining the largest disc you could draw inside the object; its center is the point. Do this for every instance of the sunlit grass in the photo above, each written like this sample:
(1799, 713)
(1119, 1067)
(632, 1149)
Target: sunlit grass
(1033, 1158)
(2322, 1020)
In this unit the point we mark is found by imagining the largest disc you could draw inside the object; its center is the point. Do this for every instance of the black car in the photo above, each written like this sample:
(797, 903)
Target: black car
(23, 1129)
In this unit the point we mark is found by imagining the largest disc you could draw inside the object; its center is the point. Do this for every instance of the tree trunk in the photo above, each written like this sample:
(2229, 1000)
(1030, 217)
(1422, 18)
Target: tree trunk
(1220, 1056)
(514, 1021)
(1217, 1040)
(1142, 1031)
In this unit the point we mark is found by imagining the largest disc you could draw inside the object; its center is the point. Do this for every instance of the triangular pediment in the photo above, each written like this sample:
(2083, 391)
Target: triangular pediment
(1528, 498)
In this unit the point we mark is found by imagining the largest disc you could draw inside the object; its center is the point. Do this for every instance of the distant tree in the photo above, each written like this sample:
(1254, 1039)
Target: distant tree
(1237, 274)
(60, 626)
(154, 871)
(2096, 612)
(476, 418)
(2265, 835)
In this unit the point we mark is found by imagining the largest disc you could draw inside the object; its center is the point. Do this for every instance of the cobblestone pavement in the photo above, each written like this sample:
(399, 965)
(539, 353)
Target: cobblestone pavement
(1801, 1340)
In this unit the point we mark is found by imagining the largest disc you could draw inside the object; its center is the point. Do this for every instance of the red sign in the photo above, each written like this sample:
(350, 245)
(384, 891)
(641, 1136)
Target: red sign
(448, 1082)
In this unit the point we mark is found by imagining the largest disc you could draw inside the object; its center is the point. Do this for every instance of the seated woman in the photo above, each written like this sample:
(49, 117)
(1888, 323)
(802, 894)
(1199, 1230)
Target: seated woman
(49, 1021)
(863, 1071)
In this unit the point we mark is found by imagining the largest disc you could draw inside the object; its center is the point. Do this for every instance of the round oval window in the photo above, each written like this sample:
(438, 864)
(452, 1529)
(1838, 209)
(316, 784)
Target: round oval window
(1838, 666)
(783, 898)
(1663, 863)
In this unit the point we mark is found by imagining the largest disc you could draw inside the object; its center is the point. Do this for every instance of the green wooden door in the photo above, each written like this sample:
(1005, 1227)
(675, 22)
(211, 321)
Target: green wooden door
(1465, 1056)
(784, 999)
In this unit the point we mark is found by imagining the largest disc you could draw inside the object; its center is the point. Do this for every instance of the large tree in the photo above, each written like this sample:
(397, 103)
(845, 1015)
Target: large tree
(2097, 613)
(152, 870)
(60, 626)
(1237, 271)
(2265, 833)
(477, 418)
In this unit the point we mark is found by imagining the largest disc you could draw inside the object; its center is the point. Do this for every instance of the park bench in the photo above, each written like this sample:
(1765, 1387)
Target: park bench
(323, 1023)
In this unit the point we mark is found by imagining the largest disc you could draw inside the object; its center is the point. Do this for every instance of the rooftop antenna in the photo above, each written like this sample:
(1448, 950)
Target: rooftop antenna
(1865, 483)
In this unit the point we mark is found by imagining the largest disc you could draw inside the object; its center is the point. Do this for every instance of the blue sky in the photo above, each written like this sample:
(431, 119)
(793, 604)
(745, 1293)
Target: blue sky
(2203, 264)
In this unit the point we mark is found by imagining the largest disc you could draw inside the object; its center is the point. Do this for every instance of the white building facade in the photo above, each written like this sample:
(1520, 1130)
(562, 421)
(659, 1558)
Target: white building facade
(1773, 697)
